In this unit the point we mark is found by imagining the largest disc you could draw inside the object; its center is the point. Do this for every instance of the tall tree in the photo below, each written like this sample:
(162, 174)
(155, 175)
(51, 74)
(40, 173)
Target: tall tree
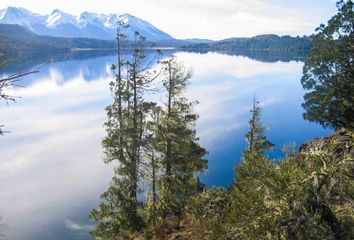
(256, 137)
(329, 71)
(153, 166)
(182, 156)
(118, 215)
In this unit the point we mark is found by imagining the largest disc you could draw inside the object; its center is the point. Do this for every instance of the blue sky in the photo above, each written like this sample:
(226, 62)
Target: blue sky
(204, 18)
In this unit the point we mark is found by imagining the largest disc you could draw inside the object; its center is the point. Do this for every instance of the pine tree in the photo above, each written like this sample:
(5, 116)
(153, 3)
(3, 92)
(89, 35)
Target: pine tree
(124, 144)
(153, 166)
(256, 137)
(182, 156)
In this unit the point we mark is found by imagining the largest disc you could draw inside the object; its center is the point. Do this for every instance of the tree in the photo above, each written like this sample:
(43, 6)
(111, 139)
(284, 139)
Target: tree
(329, 72)
(151, 144)
(176, 141)
(118, 214)
(256, 137)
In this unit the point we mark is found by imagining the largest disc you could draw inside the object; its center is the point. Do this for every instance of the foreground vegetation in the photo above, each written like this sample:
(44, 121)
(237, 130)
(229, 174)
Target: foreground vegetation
(306, 195)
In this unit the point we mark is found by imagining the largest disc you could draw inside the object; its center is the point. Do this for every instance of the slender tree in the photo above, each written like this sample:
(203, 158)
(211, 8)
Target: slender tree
(182, 156)
(153, 166)
(125, 143)
(256, 137)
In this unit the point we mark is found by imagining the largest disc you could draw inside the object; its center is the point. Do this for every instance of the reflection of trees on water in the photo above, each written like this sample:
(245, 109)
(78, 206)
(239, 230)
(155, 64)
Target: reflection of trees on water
(260, 55)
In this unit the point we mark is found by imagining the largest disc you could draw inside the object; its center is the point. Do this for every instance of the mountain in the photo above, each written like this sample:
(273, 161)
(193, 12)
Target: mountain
(86, 25)
(20, 33)
(18, 44)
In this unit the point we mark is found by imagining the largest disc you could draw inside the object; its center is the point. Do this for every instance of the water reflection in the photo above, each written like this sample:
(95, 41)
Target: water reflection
(51, 172)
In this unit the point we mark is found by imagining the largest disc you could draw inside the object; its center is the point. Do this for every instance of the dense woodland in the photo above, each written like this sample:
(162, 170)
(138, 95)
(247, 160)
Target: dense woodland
(156, 193)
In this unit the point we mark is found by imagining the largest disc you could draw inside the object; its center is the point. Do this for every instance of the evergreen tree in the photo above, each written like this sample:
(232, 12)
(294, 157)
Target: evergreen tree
(329, 71)
(117, 215)
(152, 166)
(182, 156)
(256, 137)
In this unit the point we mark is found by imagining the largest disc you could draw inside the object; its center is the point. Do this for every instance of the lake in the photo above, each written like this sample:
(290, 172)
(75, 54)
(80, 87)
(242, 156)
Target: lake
(51, 168)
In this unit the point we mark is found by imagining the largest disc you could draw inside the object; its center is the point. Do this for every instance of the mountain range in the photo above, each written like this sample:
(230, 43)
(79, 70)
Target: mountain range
(85, 25)
(25, 35)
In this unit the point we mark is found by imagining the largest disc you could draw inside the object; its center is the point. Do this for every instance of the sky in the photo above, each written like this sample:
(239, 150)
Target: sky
(211, 19)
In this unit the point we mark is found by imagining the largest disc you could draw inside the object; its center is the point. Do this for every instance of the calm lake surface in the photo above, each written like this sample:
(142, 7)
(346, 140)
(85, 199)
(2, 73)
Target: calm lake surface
(51, 168)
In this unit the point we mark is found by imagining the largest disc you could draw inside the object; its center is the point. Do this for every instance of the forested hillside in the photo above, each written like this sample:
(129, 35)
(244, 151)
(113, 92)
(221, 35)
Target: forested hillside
(268, 42)
(17, 43)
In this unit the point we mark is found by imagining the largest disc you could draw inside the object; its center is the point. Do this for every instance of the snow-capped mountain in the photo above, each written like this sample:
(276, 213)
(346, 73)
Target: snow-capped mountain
(89, 25)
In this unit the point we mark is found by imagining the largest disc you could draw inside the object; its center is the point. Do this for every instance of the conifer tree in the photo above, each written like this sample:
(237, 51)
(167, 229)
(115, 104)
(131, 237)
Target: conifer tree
(118, 214)
(256, 137)
(153, 166)
(182, 156)
(328, 71)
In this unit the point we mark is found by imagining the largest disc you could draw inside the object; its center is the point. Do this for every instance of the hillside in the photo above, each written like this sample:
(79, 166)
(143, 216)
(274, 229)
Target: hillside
(268, 42)
(317, 181)
(17, 44)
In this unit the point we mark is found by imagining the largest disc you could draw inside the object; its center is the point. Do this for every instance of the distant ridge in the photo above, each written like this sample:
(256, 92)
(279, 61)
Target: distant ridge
(266, 42)
(86, 25)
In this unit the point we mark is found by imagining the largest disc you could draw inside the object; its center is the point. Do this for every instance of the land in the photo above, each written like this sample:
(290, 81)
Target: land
(18, 45)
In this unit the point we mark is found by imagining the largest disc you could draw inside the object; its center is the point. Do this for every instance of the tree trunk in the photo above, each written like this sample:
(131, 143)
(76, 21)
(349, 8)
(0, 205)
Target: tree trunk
(332, 221)
(169, 109)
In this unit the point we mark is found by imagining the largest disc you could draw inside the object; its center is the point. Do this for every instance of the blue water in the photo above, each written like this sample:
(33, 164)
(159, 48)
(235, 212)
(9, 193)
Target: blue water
(51, 169)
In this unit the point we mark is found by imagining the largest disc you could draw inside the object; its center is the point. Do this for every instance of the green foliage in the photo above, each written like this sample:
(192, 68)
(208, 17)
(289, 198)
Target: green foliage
(268, 42)
(176, 141)
(305, 196)
(329, 72)
(207, 213)
(250, 212)
(120, 213)
(114, 215)
(152, 144)
(256, 137)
